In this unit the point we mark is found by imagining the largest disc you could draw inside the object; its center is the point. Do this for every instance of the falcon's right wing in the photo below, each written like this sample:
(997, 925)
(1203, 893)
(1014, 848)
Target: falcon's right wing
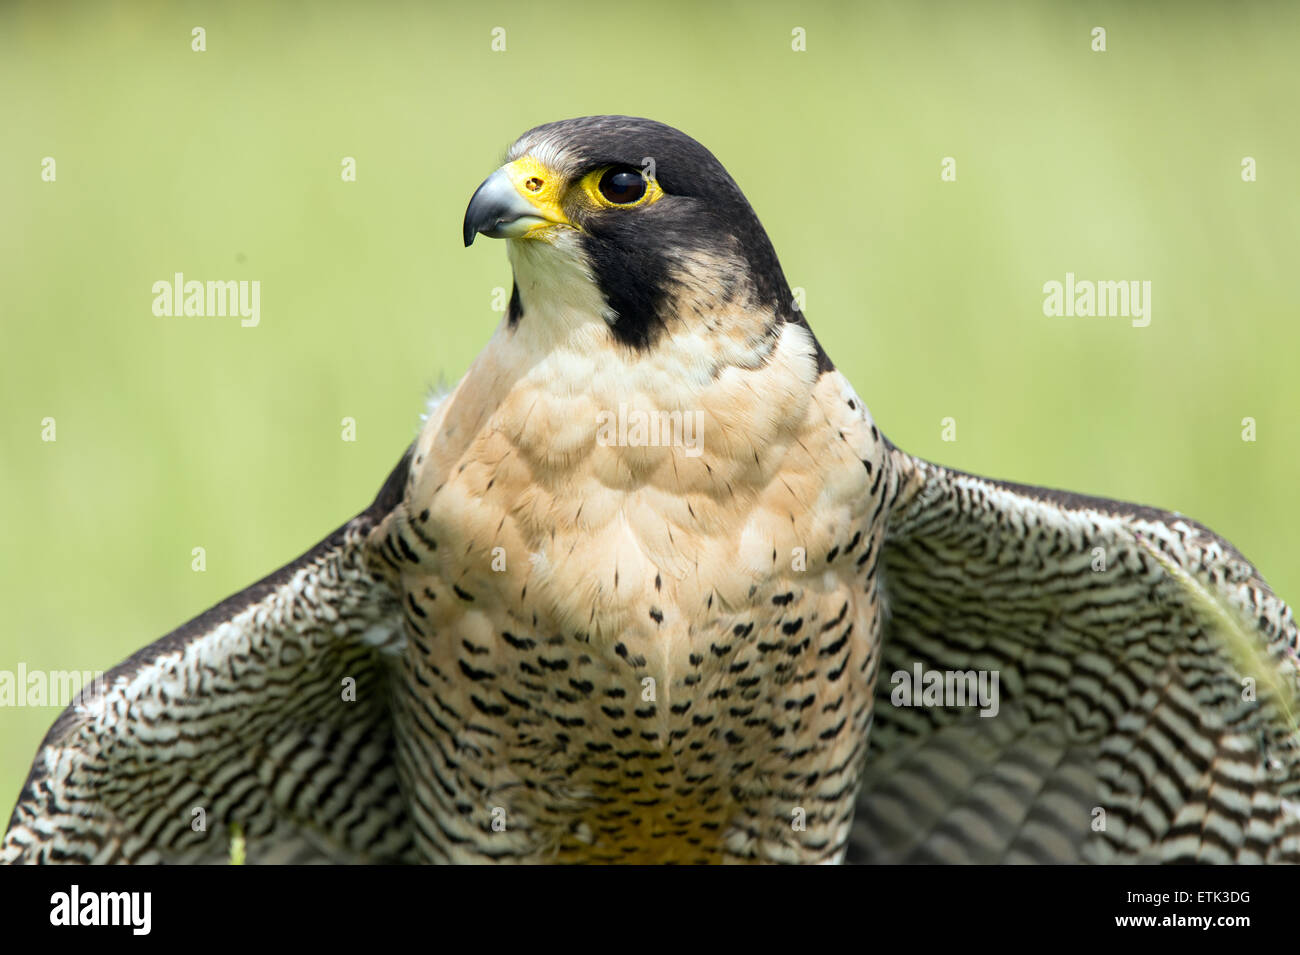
(269, 711)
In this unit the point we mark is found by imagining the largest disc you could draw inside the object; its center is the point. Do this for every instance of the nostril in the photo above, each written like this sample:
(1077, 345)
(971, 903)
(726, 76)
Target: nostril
(533, 184)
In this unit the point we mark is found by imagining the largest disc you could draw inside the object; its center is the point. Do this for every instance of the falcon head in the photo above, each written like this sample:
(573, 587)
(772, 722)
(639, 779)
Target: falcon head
(644, 221)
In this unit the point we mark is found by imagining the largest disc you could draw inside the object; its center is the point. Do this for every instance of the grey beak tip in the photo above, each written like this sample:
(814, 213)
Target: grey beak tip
(494, 205)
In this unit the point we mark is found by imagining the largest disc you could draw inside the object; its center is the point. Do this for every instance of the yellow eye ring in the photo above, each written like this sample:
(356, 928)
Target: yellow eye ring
(620, 187)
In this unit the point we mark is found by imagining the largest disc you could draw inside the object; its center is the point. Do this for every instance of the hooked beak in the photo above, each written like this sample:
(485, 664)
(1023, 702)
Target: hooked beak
(516, 200)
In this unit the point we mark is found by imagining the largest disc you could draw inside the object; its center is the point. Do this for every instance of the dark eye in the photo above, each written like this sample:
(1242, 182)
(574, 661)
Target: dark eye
(622, 186)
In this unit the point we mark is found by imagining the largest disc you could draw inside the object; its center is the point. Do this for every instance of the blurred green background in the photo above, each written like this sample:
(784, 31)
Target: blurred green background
(175, 433)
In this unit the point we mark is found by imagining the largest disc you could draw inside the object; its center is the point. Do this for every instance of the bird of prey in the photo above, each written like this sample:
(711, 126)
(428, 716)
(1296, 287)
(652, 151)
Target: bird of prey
(651, 586)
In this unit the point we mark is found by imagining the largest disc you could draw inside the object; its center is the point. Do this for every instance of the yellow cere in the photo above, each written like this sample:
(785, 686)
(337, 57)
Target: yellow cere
(542, 187)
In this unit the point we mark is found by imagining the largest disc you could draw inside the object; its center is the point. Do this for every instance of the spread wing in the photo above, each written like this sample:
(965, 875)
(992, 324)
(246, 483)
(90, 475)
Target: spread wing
(1146, 685)
(269, 711)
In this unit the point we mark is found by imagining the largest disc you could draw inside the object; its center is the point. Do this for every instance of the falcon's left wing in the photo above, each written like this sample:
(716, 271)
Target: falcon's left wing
(270, 711)
(1144, 707)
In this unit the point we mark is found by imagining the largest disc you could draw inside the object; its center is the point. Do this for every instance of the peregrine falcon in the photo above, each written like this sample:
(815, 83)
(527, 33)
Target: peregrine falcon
(651, 586)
